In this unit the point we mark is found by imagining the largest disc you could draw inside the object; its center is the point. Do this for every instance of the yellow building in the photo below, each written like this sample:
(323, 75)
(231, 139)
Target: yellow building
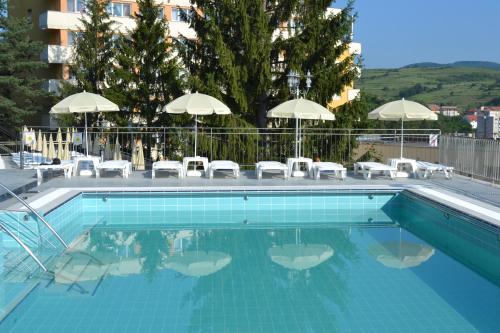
(56, 22)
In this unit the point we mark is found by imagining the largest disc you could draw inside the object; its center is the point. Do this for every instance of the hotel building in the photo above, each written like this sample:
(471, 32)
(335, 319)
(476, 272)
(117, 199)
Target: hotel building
(55, 23)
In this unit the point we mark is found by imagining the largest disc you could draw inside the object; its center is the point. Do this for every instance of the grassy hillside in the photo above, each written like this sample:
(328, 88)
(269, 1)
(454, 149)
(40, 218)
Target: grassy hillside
(461, 86)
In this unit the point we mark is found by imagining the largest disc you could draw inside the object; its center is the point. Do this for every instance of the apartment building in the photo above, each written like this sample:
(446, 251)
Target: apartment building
(55, 23)
(488, 122)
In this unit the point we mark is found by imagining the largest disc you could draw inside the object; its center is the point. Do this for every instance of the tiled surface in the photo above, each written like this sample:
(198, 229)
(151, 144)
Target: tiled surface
(236, 207)
(456, 289)
(349, 292)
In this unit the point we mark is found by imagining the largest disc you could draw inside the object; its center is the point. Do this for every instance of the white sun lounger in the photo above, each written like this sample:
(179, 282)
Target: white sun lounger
(168, 166)
(426, 170)
(338, 169)
(121, 165)
(65, 166)
(368, 168)
(270, 165)
(223, 165)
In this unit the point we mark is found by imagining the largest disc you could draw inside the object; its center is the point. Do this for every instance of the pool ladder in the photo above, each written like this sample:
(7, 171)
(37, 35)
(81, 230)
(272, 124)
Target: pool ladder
(18, 240)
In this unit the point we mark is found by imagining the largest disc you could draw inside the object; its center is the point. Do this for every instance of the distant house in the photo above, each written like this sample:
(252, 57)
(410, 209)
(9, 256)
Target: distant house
(471, 119)
(447, 111)
(434, 108)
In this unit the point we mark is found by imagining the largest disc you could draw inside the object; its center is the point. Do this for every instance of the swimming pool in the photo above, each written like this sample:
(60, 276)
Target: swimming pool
(261, 262)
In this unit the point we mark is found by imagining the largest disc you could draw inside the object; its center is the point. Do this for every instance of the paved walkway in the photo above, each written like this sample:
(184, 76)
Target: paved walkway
(24, 182)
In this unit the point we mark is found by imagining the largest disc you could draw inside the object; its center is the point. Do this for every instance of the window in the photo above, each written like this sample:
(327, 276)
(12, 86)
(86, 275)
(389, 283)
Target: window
(72, 37)
(75, 6)
(180, 15)
(119, 9)
(161, 13)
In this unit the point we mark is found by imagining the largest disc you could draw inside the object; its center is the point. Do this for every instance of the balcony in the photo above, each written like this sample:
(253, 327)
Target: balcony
(355, 48)
(60, 20)
(71, 21)
(352, 94)
(181, 28)
(56, 54)
(54, 85)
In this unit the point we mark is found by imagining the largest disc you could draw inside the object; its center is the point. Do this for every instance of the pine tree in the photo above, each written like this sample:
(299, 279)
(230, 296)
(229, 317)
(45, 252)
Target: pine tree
(147, 75)
(319, 43)
(94, 48)
(235, 53)
(21, 92)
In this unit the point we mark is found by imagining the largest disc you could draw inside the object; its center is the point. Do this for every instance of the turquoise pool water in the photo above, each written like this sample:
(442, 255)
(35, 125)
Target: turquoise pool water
(263, 262)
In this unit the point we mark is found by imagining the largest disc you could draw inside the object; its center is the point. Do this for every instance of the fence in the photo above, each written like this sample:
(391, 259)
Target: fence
(478, 158)
(249, 145)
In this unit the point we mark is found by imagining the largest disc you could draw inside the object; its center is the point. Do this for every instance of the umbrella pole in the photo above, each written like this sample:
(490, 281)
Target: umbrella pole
(195, 133)
(296, 137)
(86, 136)
(402, 119)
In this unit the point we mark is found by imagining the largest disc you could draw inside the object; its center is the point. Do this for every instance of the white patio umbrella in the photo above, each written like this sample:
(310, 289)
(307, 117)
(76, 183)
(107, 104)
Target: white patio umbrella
(84, 102)
(60, 148)
(66, 154)
(117, 153)
(69, 137)
(402, 110)
(45, 150)
(133, 158)
(52, 150)
(198, 105)
(39, 141)
(198, 263)
(300, 109)
(141, 165)
(108, 154)
(33, 142)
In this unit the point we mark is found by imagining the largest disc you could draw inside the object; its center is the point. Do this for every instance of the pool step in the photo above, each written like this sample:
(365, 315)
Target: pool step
(78, 272)
(19, 266)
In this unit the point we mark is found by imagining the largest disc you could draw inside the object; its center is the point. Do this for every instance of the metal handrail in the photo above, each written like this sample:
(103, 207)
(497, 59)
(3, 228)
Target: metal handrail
(25, 204)
(24, 246)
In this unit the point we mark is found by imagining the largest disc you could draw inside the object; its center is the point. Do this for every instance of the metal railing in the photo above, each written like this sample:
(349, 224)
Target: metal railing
(40, 217)
(478, 158)
(250, 145)
(23, 245)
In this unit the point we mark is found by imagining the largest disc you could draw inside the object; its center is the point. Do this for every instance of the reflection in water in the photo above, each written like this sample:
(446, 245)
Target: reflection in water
(234, 270)
(300, 256)
(198, 263)
(400, 254)
(107, 253)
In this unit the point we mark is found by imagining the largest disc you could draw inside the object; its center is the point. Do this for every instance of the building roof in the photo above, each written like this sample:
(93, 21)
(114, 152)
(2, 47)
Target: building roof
(471, 117)
(434, 107)
(490, 108)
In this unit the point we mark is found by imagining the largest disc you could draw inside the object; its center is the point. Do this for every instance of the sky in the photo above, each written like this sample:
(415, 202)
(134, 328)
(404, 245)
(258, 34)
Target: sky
(395, 33)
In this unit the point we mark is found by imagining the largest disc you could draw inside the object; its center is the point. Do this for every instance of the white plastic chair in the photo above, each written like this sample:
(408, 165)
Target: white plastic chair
(219, 165)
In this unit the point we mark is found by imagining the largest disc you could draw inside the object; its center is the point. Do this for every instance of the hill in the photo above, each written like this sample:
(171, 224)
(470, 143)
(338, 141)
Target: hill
(470, 64)
(464, 87)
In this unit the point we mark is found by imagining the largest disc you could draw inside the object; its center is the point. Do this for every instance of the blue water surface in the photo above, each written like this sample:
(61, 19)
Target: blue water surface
(249, 262)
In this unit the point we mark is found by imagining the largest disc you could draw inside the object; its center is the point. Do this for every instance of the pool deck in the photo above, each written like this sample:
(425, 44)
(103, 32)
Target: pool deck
(476, 198)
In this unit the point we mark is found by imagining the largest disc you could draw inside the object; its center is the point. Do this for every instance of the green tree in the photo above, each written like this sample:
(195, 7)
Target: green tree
(244, 51)
(94, 51)
(235, 54)
(147, 74)
(318, 41)
(21, 92)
